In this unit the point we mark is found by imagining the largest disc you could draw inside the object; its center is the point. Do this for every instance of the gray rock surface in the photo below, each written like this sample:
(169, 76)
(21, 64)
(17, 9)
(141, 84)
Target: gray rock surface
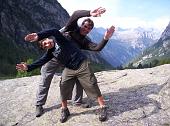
(138, 97)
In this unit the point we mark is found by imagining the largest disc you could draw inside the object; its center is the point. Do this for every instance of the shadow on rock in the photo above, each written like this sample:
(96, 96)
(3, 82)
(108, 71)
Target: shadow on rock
(125, 100)
(52, 107)
(133, 98)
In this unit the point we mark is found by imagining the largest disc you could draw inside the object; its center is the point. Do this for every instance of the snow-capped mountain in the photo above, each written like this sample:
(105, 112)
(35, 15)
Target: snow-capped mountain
(160, 50)
(139, 38)
(125, 43)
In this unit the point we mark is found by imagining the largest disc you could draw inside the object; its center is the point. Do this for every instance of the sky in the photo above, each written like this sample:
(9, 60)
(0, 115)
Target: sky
(125, 13)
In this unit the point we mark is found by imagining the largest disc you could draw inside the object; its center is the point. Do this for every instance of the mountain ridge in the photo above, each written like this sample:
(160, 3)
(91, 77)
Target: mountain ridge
(125, 44)
(159, 51)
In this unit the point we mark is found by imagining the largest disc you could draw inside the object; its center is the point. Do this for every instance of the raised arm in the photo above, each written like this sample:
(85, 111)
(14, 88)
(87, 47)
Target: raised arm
(109, 32)
(72, 22)
(22, 66)
(32, 37)
(41, 61)
(71, 25)
(97, 12)
(98, 47)
(38, 63)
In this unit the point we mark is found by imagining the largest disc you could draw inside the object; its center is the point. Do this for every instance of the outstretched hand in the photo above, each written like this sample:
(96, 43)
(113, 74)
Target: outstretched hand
(109, 33)
(97, 12)
(22, 67)
(31, 37)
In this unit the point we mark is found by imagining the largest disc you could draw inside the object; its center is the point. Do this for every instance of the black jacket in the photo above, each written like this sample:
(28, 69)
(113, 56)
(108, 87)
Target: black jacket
(71, 32)
(66, 52)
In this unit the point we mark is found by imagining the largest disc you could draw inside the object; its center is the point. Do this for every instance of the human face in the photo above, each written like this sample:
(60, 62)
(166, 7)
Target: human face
(85, 28)
(47, 43)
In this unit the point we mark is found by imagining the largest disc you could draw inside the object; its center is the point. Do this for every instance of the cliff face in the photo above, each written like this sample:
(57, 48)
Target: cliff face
(166, 33)
(135, 97)
(19, 17)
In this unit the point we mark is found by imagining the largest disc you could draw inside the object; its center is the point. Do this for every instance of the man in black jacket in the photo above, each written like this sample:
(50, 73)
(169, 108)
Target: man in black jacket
(76, 67)
(78, 34)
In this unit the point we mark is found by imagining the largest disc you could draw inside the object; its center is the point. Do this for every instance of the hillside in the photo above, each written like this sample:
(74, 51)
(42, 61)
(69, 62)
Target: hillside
(157, 52)
(138, 97)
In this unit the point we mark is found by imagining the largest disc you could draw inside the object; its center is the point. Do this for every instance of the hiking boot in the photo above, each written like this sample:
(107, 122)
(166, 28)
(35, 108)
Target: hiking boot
(64, 115)
(39, 110)
(103, 114)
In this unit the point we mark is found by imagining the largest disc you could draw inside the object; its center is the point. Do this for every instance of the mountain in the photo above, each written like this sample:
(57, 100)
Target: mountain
(138, 38)
(20, 17)
(125, 44)
(158, 51)
(26, 16)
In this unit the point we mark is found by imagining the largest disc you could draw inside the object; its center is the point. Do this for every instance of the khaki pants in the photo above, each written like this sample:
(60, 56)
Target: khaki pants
(86, 78)
(47, 71)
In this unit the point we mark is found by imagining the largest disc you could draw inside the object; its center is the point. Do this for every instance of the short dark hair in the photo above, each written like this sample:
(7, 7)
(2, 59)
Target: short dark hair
(91, 23)
(39, 43)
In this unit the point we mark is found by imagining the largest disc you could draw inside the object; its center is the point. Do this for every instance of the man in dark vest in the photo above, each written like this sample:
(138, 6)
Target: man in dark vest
(79, 35)
(76, 65)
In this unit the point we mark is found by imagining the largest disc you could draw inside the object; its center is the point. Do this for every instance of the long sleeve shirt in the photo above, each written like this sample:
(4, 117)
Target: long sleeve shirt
(71, 32)
(66, 52)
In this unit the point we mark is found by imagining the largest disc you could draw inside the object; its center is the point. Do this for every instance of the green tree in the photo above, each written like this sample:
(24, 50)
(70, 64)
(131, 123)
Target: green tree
(146, 66)
(31, 73)
(155, 62)
(164, 61)
(130, 66)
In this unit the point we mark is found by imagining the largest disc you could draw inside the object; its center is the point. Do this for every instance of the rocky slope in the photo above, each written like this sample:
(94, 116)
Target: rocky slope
(160, 50)
(138, 97)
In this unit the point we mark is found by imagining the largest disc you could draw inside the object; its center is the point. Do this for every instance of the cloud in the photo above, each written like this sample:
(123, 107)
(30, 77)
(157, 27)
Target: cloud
(73, 5)
(159, 23)
(111, 17)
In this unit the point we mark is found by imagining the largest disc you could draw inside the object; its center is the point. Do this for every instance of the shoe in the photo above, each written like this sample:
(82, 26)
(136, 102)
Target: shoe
(39, 110)
(64, 115)
(103, 114)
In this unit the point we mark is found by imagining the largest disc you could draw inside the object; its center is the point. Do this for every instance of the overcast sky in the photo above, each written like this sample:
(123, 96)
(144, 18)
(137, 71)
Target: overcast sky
(125, 13)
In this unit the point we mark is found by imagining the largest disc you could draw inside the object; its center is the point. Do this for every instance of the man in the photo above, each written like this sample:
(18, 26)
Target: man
(78, 34)
(76, 67)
